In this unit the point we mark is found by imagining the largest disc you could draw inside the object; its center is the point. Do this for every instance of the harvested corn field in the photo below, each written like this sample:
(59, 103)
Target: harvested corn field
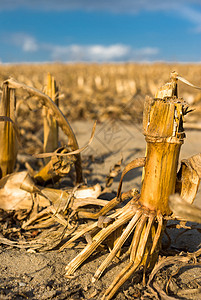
(101, 91)
(51, 203)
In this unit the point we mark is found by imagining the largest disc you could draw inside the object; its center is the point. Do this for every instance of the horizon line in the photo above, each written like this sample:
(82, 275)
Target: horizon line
(99, 63)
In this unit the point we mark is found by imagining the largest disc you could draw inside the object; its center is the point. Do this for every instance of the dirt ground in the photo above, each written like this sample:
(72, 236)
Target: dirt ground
(31, 275)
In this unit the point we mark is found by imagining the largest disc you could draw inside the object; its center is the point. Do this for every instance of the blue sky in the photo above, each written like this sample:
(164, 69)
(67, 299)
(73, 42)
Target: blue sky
(100, 31)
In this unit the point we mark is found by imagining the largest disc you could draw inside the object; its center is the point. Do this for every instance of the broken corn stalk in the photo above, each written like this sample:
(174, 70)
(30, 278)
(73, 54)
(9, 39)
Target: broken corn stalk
(8, 142)
(50, 124)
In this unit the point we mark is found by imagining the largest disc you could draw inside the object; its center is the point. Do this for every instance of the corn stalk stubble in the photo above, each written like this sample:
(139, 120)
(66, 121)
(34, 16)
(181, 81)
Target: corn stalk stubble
(8, 141)
(49, 123)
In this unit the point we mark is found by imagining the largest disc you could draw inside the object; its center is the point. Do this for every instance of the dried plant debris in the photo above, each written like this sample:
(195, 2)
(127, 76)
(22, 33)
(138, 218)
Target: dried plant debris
(38, 213)
(46, 240)
(36, 205)
(181, 261)
(39, 207)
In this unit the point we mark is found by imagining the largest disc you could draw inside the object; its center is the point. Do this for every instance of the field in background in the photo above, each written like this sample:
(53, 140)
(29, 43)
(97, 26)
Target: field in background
(91, 91)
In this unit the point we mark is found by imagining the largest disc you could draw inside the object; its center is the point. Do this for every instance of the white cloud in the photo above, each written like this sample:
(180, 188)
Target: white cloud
(88, 53)
(24, 41)
(100, 53)
(108, 53)
(147, 51)
(29, 45)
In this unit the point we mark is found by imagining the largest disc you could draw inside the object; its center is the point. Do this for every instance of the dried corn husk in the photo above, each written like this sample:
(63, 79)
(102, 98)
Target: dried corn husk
(12, 197)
